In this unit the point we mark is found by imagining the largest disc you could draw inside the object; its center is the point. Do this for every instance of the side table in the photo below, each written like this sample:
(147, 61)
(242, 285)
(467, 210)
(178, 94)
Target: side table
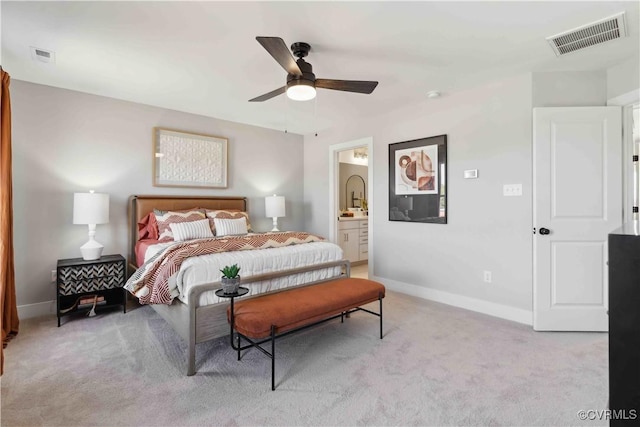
(101, 278)
(241, 291)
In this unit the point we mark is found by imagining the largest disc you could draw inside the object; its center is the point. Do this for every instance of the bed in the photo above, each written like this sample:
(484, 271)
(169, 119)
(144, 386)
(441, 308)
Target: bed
(194, 313)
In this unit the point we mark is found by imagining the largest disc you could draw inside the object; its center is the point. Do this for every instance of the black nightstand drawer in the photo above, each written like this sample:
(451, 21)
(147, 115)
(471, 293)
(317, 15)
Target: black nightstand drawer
(89, 278)
(102, 279)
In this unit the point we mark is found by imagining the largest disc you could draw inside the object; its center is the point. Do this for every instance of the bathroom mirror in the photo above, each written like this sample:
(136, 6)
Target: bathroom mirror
(355, 191)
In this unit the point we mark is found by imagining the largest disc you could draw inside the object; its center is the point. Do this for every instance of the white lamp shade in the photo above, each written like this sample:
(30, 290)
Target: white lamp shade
(274, 206)
(90, 208)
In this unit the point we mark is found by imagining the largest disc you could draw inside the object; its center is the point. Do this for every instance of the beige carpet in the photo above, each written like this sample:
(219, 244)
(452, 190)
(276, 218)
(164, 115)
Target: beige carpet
(437, 365)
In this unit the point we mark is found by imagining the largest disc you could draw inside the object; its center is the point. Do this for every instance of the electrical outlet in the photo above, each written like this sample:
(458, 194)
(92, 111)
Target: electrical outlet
(53, 275)
(487, 276)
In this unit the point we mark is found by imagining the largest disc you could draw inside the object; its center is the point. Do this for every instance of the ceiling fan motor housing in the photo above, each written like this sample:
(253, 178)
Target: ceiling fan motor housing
(307, 77)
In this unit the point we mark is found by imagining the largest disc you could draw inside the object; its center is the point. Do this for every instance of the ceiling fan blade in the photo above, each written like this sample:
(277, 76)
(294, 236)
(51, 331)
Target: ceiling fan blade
(280, 52)
(269, 95)
(347, 85)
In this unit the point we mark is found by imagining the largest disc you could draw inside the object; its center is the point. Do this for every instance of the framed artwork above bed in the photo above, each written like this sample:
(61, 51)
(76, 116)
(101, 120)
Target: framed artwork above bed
(182, 159)
(418, 180)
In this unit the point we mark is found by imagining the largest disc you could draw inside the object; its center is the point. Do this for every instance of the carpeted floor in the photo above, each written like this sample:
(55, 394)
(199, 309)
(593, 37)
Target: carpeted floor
(437, 365)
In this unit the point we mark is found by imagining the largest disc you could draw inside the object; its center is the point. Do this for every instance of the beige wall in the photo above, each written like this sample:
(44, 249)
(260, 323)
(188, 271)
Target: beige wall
(66, 142)
(569, 89)
(623, 78)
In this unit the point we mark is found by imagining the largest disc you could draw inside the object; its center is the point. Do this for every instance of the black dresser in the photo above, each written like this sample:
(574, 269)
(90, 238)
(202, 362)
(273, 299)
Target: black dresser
(624, 325)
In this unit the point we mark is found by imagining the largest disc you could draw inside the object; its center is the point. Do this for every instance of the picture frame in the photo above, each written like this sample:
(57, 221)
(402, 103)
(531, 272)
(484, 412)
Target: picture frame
(417, 189)
(185, 159)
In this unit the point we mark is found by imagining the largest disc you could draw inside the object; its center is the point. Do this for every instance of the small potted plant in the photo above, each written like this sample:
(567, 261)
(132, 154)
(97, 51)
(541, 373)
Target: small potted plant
(230, 279)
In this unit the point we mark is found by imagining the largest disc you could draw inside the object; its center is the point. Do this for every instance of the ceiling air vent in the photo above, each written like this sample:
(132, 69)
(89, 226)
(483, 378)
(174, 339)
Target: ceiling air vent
(598, 32)
(42, 55)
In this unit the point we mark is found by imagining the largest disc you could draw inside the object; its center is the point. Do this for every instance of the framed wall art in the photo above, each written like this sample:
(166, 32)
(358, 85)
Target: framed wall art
(182, 159)
(418, 180)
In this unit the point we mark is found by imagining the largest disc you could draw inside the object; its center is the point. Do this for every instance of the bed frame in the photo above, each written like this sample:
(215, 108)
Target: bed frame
(194, 323)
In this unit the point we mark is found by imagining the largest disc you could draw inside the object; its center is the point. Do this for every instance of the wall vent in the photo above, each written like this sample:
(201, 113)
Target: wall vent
(598, 32)
(42, 55)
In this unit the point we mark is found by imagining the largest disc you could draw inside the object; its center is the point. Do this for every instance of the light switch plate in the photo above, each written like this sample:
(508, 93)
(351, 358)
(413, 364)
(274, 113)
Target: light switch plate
(512, 190)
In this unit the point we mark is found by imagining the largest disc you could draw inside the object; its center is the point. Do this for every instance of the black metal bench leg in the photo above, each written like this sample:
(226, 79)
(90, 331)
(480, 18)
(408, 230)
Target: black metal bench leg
(380, 299)
(273, 357)
(238, 346)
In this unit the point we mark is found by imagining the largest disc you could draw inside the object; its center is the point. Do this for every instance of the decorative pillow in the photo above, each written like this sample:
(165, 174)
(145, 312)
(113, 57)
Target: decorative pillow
(228, 227)
(166, 218)
(191, 230)
(148, 227)
(226, 214)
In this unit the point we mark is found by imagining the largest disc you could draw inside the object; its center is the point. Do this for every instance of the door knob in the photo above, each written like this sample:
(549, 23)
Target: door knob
(544, 231)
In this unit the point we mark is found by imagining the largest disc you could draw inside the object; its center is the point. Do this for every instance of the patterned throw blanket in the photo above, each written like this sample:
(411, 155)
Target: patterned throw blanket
(150, 283)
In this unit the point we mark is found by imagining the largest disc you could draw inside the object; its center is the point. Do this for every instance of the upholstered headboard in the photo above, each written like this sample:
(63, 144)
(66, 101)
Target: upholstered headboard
(140, 206)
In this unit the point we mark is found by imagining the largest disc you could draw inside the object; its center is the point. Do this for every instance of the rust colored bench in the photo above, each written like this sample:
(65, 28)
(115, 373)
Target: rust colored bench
(264, 318)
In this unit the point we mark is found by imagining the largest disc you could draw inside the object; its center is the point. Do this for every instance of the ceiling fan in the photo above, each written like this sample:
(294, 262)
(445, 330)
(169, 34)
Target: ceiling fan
(301, 82)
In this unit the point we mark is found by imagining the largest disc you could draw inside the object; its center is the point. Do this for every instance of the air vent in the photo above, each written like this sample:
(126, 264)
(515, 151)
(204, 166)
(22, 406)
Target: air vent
(42, 55)
(598, 32)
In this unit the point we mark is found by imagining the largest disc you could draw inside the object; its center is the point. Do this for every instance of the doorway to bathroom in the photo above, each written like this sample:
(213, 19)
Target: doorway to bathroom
(351, 204)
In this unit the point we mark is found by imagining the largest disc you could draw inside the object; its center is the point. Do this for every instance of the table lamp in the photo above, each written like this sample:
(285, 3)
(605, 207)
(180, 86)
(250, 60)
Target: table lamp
(274, 208)
(91, 209)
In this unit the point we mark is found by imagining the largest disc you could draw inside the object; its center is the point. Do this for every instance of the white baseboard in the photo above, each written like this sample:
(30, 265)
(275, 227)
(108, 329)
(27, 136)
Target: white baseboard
(28, 311)
(485, 307)
(468, 303)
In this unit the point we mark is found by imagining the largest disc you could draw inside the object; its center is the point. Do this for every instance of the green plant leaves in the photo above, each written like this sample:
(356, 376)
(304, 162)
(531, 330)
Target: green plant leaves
(230, 271)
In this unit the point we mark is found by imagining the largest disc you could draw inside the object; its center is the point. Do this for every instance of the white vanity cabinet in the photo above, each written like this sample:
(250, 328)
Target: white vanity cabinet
(353, 238)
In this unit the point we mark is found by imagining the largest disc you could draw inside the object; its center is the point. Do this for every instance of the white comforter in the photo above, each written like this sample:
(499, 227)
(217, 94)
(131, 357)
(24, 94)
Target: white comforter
(206, 268)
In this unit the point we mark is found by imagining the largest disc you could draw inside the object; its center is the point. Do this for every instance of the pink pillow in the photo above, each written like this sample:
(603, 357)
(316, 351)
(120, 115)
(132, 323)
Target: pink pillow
(148, 227)
(166, 218)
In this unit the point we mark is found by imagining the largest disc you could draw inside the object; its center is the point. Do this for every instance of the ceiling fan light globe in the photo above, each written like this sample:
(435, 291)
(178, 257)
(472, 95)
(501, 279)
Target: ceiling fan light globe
(301, 92)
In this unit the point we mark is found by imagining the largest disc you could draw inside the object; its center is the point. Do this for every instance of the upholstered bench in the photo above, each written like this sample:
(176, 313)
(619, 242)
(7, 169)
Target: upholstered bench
(264, 318)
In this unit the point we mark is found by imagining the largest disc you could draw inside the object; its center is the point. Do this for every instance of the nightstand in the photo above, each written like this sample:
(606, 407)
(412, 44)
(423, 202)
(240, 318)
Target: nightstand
(102, 279)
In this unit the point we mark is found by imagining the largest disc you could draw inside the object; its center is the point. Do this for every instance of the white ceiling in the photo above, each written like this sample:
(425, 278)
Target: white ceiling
(202, 57)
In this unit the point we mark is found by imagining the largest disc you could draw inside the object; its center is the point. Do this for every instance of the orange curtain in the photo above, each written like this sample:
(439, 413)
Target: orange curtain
(8, 306)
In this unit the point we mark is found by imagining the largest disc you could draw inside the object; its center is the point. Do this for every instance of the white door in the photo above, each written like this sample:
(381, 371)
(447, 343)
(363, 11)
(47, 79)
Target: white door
(577, 180)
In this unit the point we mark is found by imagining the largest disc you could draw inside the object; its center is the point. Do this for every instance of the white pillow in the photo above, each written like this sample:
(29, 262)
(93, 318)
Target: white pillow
(226, 227)
(191, 230)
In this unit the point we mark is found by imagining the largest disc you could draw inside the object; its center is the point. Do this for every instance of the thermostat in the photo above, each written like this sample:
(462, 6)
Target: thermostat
(471, 174)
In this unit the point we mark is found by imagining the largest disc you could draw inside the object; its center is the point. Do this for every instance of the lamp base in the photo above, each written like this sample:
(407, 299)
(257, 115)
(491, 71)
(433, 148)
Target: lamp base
(91, 250)
(275, 224)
